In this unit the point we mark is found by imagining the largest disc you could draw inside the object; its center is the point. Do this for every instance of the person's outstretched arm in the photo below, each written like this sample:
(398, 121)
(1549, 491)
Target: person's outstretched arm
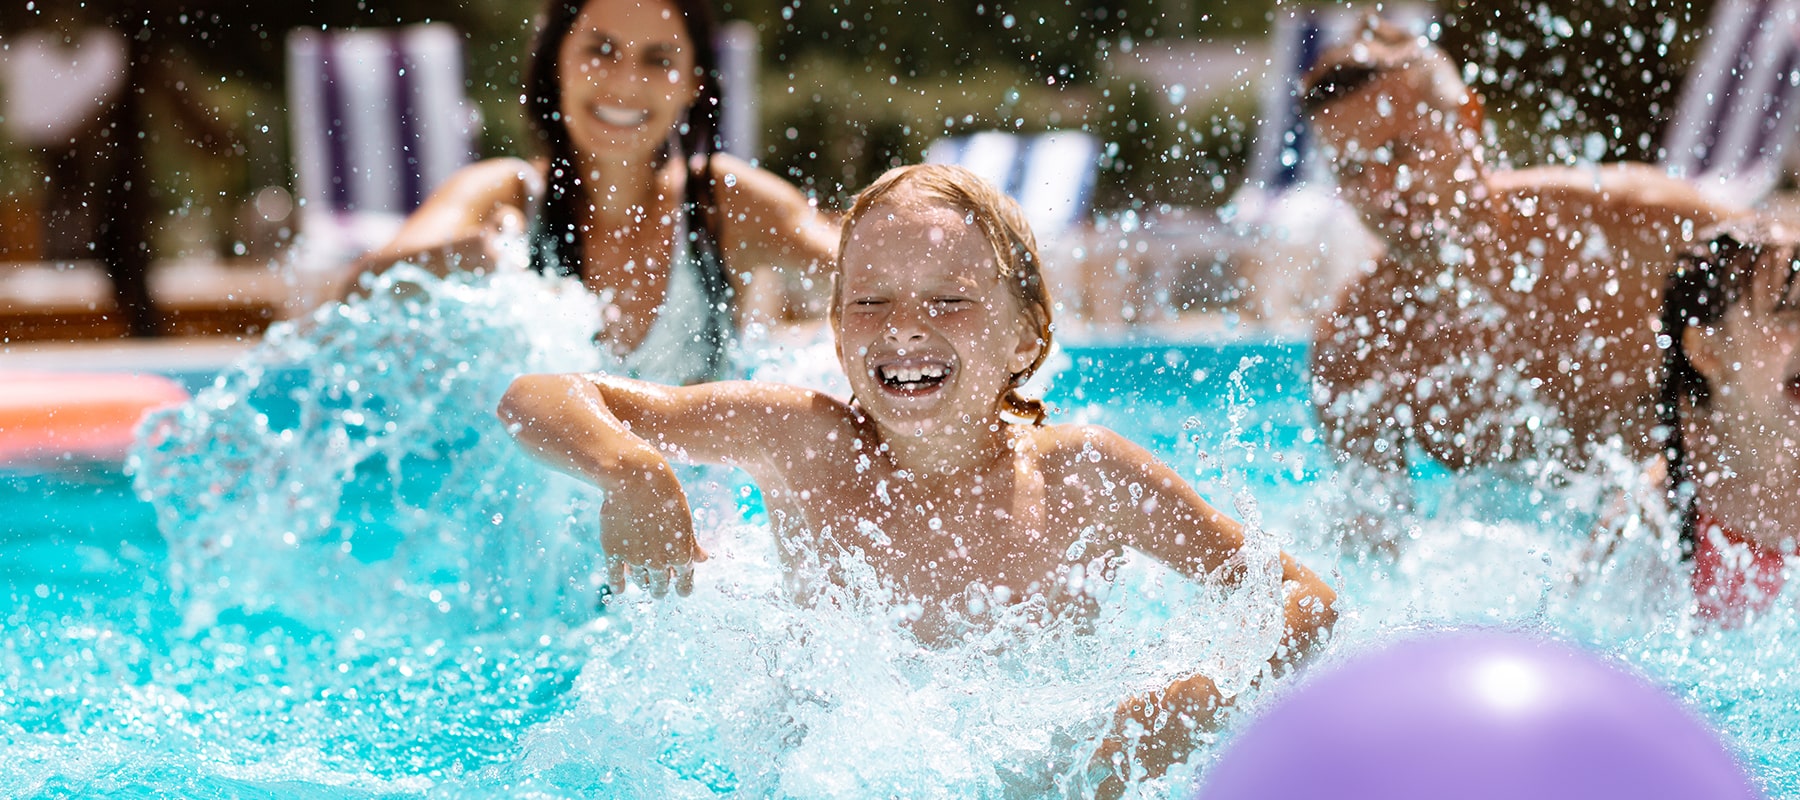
(619, 434)
(646, 529)
(1166, 518)
(460, 227)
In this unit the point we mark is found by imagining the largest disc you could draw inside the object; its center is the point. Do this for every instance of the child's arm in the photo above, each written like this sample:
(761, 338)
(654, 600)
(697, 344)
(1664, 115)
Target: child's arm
(619, 433)
(1163, 516)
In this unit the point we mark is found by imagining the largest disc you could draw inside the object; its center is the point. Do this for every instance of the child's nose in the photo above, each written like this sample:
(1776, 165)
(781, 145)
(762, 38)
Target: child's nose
(906, 324)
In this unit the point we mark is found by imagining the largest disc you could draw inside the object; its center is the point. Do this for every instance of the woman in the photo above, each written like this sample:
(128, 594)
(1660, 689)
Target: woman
(630, 195)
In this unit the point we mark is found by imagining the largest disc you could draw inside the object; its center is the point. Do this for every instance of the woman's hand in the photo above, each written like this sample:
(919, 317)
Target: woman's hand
(491, 247)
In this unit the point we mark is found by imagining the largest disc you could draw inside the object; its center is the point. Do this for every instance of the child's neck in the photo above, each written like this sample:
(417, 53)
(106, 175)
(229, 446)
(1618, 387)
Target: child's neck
(956, 450)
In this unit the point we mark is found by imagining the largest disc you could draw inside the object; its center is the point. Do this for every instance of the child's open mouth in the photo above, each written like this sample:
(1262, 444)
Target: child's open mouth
(1793, 388)
(912, 378)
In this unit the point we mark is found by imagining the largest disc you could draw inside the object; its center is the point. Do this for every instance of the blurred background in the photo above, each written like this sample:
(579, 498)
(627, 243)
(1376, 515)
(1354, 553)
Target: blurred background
(170, 178)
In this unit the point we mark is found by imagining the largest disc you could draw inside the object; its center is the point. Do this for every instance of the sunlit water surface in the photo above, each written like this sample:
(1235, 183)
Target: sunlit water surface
(361, 588)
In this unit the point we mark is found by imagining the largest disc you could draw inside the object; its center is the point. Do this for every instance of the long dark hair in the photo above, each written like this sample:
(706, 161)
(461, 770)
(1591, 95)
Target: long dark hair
(1709, 278)
(556, 239)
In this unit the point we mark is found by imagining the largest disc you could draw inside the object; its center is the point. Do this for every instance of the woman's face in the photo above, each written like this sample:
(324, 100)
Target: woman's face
(627, 75)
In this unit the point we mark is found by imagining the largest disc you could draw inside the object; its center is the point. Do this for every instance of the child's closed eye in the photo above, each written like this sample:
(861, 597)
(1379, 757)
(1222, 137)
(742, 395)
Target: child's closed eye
(948, 305)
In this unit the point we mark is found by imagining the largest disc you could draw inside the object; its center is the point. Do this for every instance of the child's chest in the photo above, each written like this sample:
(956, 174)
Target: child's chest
(934, 537)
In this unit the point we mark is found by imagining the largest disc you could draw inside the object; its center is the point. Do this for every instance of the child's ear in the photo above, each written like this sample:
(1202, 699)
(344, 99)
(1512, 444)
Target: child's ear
(1026, 353)
(1701, 345)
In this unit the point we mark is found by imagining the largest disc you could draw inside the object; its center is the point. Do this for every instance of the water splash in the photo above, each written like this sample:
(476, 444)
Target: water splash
(346, 522)
(350, 471)
(742, 688)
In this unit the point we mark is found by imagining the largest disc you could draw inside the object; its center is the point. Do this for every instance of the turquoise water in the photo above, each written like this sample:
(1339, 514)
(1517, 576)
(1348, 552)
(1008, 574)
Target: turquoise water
(334, 577)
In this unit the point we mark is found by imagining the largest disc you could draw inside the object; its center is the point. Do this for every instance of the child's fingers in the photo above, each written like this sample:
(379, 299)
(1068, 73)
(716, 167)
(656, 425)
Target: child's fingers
(684, 578)
(615, 574)
(640, 575)
(656, 579)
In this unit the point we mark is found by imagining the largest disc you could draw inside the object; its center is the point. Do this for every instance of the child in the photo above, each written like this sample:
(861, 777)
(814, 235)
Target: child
(940, 314)
(1730, 408)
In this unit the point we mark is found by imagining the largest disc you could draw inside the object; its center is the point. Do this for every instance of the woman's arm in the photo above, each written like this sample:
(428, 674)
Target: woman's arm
(461, 225)
(767, 223)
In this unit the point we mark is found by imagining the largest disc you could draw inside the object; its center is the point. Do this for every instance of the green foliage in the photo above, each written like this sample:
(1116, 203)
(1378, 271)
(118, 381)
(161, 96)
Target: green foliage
(1594, 80)
(924, 39)
(852, 88)
(1162, 152)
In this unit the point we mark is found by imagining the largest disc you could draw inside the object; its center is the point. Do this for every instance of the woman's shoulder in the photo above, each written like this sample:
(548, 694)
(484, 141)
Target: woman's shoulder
(509, 181)
(741, 181)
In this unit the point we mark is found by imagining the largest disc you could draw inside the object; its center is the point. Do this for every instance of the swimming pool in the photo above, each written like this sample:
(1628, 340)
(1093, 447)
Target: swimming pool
(348, 608)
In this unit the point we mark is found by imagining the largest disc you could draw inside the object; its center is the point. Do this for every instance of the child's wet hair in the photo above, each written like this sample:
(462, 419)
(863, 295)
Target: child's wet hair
(1381, 48)
(1710, 277)
(1002, 223)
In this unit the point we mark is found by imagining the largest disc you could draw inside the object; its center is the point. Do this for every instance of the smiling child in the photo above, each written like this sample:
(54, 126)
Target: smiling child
(940, 314)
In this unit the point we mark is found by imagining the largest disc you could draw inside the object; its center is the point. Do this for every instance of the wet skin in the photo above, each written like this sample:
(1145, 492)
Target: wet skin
(1744, 446)
(922, 474)
(1499, 291)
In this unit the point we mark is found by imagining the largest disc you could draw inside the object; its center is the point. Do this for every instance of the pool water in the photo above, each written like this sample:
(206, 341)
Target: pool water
(346, 582)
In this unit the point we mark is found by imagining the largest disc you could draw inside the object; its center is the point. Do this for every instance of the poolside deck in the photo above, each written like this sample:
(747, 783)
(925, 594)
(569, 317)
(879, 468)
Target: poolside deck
(68, 302)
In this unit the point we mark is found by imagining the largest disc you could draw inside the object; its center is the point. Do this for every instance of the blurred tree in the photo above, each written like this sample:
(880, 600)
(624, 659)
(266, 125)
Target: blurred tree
(892, 75)
(179, 50)
(1587, 80)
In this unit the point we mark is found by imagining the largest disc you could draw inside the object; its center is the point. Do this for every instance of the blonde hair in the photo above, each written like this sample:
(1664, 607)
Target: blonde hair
(1002, 223)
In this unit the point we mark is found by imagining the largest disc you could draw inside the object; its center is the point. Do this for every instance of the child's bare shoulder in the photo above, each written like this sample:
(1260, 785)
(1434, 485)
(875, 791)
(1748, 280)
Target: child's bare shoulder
(1083, 447)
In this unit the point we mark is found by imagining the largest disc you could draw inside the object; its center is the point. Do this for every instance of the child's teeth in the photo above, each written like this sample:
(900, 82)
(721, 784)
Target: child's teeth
(912, 374)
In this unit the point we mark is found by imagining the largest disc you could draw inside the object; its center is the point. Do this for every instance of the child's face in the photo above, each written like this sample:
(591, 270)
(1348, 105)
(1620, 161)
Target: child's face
(927, 332)
(1754, 369)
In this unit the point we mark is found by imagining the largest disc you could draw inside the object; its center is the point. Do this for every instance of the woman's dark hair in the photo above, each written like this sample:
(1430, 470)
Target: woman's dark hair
(1709, 278)
(556, 242)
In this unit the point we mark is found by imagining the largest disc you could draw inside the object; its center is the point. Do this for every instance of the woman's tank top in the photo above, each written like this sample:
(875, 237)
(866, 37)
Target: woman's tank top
(681, 346)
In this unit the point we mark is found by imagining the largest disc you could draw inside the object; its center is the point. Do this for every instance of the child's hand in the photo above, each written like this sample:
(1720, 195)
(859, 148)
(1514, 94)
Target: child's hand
(1154, 732)
(649, 543)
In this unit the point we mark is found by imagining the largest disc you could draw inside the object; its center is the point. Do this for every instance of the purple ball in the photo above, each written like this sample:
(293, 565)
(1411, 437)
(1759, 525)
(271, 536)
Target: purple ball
(1473, 715)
